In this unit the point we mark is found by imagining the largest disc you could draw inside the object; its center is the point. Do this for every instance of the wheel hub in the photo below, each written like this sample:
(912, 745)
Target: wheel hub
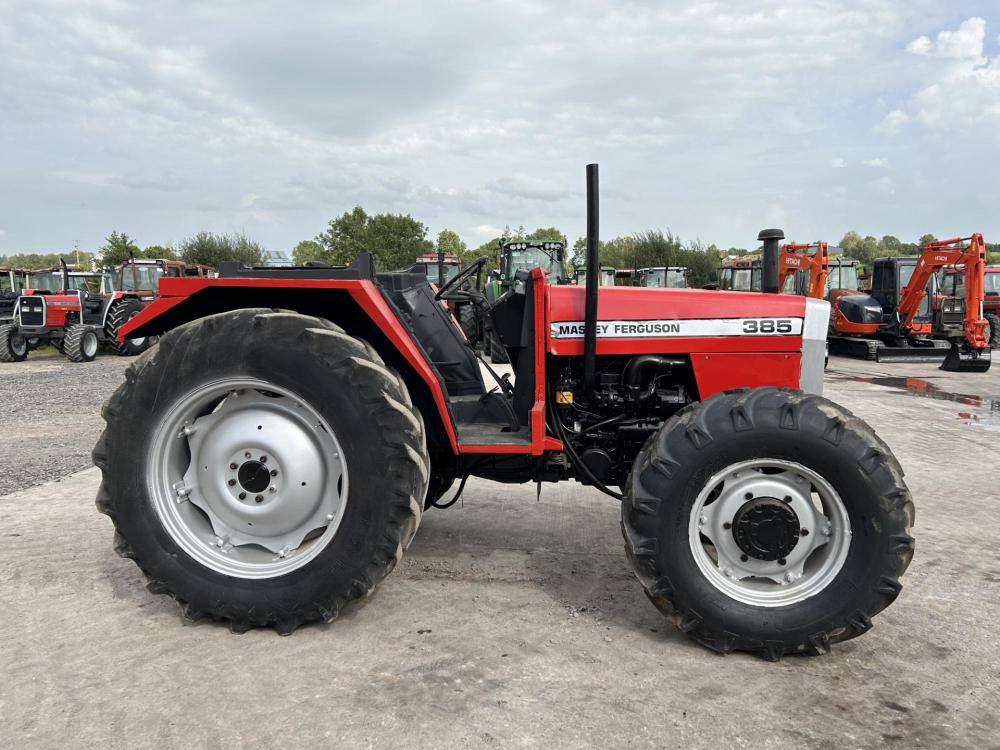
(253, 476)
(766, 529)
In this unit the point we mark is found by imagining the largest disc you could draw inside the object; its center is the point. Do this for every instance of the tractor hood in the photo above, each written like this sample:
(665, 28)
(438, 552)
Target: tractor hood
(734, 338)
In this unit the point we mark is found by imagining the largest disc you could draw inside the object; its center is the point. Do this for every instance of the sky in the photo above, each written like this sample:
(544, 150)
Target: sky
(708, 119)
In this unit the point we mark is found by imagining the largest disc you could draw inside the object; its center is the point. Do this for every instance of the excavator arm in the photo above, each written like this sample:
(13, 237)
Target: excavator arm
(796, 257)
(937, 255)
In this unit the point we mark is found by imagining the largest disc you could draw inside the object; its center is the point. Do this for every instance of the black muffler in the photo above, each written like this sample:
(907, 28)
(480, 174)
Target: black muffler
(593, 275)
(769, 262)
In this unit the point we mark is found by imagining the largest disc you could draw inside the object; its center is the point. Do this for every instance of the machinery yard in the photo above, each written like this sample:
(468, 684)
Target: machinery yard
(510, 621)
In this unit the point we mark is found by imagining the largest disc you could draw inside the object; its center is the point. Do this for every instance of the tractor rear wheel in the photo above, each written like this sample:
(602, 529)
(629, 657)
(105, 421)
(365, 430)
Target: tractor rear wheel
(80, 343)
(263, 468)
(120, 313)
(468, 323)
(497, 353)
(13, 346)
(993, 330)
(768, 520)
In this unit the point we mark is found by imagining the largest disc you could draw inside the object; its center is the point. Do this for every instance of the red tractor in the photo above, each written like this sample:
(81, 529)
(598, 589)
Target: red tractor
(268, 462)
(76, 321)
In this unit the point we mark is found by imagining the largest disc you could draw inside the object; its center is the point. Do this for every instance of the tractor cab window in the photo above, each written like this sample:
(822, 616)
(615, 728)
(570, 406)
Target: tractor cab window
(145, 278)
(450, 271)
(842, 276)
(48, 282)
(607, 277)
(6, 285)
(85, 283)
(676, 279)
(532, 257)
(992, 283)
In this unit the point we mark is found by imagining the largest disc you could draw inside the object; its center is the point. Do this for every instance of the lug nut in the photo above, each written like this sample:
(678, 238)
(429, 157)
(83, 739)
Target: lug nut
(232, 482)
(804, 532)
(243, 496)
(272, 488)
(782, 561)
(246, 455)
(743, 558)
(786, 499)
(263, 459)
(749, 496)
(274, 472)
(727, 525)
(259, 499)
(232, 466)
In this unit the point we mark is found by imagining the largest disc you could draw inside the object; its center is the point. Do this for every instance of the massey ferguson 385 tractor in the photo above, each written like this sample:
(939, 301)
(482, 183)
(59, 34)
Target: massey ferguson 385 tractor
(268, 461)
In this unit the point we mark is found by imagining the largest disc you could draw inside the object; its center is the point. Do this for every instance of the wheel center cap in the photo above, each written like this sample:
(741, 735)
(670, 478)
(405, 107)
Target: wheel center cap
(254, 476)
(766, 528)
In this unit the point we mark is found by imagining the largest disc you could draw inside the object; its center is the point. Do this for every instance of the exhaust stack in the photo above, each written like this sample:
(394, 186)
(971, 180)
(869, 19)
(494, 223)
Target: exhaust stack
(769, 263)
(593, 276)
(65, 275)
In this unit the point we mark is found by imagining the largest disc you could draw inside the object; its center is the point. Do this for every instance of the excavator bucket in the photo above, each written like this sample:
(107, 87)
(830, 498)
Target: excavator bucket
(963, 358)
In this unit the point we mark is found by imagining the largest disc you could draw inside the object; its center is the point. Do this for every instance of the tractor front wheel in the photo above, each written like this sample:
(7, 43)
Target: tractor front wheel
(768, 520)
(263, 468)
(80, 343)
(13, 346)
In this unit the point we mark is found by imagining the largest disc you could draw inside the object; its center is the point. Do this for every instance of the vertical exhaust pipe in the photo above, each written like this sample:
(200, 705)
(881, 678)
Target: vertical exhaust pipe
(65, 276)
(593, 275)
(769, 263)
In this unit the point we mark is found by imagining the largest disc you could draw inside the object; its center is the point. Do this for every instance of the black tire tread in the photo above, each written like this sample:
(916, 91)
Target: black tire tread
(118, 315)
(394, 419)
(994, 321)
(7, 353)
(72, 344)
(690, 431)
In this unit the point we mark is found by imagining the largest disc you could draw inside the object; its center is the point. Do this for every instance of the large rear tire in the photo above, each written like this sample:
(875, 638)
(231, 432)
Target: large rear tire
(80, 344)
(289, 400)
(13, 346)
(120, 313)
(768, 520)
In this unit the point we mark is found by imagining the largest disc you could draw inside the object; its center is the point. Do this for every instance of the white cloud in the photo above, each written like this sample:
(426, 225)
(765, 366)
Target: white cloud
(966, 42)
(878, 163)
(838, 163)
(893, 122)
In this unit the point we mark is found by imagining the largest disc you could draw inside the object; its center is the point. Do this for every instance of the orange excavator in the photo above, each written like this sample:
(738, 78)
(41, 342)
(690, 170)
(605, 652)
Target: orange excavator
(808, 268)
(896, 320)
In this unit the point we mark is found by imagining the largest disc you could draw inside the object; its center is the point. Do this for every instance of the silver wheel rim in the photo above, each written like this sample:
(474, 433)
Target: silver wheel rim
(89, 344)
(18, 345)
(208, 465)
(809, 567)
(142, 339)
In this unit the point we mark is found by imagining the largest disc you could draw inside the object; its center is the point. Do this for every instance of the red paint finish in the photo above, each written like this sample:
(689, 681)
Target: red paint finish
(719, 372)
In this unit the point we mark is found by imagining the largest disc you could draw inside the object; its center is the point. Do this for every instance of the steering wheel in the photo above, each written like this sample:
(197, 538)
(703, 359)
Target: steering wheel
(464, 275)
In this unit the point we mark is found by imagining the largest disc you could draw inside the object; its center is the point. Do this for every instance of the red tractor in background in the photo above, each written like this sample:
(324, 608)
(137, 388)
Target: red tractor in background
(269, 461)
(141, 276)
(74, 320)
(896, 319)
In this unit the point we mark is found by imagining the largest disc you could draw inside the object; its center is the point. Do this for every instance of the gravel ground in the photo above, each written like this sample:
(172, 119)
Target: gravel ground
(52, 415)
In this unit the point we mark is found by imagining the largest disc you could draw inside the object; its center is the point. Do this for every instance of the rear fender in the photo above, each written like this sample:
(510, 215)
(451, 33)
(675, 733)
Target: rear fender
(356, 306)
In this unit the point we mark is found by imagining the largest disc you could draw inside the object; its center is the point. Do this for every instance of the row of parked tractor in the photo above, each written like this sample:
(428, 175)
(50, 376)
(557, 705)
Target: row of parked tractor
(940, 306)
(78, 312)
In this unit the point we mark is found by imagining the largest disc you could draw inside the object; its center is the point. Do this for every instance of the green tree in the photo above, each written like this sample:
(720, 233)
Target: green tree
(213, 249)
(164, 252)
(118, 247)
(37, 261)
(548, 234)
(305, 251)
(851, 243)
(395, 240)
(925, 239)
(449, 243)
(890, 245)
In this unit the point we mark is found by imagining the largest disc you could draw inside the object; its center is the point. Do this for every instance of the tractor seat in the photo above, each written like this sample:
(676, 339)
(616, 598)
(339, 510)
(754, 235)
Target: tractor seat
(92, 305)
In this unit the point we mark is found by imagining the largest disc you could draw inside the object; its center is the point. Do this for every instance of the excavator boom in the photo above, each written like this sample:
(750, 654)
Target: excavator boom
(796, 257)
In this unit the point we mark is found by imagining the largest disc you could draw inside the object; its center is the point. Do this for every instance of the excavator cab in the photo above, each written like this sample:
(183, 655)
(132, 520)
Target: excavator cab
(890, 277)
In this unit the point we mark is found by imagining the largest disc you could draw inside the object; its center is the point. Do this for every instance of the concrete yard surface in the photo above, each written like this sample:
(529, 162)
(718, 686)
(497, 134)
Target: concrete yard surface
(518, 623)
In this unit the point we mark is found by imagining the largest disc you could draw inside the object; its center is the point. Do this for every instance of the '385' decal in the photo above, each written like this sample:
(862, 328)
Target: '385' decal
(668, 328)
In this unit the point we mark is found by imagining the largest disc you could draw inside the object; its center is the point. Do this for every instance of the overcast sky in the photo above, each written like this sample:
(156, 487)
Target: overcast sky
(711, 119)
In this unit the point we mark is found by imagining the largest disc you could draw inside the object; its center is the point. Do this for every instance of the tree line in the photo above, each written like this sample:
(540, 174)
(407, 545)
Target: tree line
(395, 241)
